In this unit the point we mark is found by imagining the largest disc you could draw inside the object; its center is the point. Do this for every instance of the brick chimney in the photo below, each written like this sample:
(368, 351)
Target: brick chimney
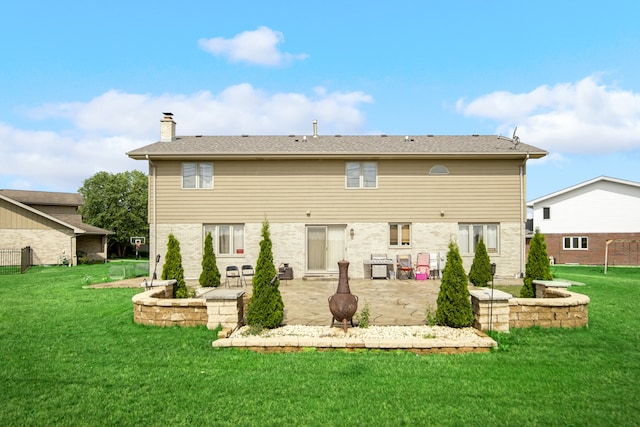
(167, 128)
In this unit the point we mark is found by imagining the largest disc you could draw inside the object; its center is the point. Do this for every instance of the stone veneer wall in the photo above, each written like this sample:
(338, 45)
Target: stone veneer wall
(157, 307)
(369, 238)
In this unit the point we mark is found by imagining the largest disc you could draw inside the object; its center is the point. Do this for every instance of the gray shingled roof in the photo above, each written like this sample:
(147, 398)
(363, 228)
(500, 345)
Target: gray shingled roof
(44, 197)
(26, 199)
(335, 146)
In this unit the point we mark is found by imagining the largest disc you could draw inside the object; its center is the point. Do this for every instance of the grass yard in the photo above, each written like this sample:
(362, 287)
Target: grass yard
(73, 356)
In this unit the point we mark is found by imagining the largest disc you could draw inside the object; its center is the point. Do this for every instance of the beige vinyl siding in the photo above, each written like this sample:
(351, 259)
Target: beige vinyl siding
(285, 190)
(15, 217)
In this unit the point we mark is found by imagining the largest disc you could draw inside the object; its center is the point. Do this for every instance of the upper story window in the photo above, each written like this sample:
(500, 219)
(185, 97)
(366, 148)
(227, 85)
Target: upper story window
(438, 170)
(228, 238)
(197, 175)
(469, 236)
(399, 234)
(361, 174)
(576, 242)
(546, 213)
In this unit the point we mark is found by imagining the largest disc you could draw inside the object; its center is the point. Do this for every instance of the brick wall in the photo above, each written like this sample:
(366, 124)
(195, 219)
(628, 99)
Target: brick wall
(620, 253)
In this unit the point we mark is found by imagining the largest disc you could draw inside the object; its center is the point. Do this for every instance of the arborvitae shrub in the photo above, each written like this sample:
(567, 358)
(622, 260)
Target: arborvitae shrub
(266, 308)
(537, 265)
(480, 273)
(172, 268)
(454, 305)
(210, 275)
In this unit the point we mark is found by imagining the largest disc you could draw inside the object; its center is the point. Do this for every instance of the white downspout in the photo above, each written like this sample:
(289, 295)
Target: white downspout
(523, 204)
(153, 206)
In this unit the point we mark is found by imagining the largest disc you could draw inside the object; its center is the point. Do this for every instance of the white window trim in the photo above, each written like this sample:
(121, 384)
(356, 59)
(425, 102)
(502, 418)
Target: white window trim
(580, 248)
(215, 235)
(361, 182)
(197, 176)
(399, 225)
(470, 243)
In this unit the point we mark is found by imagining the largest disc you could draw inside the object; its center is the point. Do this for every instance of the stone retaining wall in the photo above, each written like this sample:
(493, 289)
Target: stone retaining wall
(211, 308)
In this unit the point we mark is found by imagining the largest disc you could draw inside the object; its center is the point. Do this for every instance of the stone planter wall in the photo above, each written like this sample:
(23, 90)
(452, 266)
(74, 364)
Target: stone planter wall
(558, 308)
(211, 308)
(554, 307)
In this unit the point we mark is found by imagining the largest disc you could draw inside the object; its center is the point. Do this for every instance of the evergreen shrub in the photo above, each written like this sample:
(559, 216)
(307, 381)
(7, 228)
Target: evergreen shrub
(454, 304)
(266, 308)
(172, 268)
(480, 273)
(538, 267)
(210, 276)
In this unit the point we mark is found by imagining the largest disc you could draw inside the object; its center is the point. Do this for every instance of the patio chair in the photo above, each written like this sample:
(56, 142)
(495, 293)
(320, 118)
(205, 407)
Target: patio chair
(423, 266)
(232, 273)
(247, 271)
(404, 266)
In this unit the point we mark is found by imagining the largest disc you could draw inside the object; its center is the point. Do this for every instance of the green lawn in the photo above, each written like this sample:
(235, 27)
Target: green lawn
(73, 356)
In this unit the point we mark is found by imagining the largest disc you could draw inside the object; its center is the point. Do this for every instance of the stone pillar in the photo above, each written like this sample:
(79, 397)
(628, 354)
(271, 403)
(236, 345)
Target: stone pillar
(490, 314)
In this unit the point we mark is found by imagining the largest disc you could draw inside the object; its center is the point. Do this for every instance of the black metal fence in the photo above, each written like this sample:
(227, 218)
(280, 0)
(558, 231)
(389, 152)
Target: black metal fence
(15, 261)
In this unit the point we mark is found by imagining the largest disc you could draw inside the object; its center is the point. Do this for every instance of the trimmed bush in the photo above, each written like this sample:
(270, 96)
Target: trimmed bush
(537, 265)
(480, 273)
(454, 304)
(172, 268)
(266, 308)
(210, 276)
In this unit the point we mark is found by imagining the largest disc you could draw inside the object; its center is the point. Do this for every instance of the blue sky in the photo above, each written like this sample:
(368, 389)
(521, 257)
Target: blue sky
(82, 83)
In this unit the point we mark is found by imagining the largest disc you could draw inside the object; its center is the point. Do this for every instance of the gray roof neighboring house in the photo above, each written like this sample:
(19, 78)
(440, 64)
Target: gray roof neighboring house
(24, 199)
(338, 146)
(44, 197)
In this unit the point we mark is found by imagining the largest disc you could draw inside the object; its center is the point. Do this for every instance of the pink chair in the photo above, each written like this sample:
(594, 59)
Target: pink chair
(422, 266)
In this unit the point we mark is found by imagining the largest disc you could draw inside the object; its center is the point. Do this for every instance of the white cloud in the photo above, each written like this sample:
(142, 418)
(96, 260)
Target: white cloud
(103, 129)
(259, 47)
(582, 117)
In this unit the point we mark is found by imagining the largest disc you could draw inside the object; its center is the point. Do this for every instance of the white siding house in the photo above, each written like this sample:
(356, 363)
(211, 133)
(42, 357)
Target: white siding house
(578, 221)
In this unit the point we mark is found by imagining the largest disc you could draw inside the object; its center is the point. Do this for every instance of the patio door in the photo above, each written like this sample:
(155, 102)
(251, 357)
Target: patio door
(325, 247)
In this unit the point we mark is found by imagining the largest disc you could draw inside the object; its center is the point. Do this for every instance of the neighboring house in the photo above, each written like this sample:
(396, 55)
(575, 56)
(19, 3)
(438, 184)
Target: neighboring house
(577, 222)
(49, 223)
(329, 198)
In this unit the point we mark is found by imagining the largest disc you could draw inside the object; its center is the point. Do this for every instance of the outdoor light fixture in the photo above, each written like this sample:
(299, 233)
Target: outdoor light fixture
(352, 233)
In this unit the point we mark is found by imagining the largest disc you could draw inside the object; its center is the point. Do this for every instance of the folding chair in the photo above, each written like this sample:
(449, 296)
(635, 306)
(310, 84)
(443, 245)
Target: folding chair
(404, 266)
(232, 273)
(247, 271)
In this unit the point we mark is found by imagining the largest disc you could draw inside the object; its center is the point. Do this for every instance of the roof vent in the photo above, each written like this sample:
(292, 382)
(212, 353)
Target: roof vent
(315, 128)
(406, 138)
(245, 136)
(304, 138)
(383, 135)
(475, 134)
